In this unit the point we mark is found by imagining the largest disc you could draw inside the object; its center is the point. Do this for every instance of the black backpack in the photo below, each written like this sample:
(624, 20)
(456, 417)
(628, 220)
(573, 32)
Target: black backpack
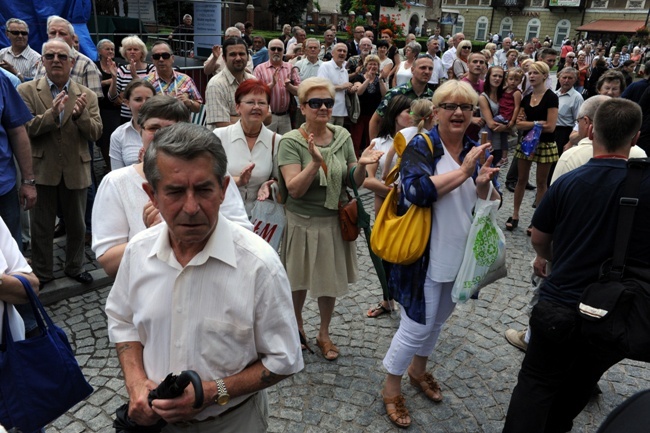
(615, 310)
(631, 416)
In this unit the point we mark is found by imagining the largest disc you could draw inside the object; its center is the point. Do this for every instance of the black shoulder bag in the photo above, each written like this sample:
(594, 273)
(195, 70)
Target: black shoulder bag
(615, 310)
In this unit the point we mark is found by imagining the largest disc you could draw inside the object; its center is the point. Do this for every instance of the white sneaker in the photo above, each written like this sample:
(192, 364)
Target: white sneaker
(516, 338)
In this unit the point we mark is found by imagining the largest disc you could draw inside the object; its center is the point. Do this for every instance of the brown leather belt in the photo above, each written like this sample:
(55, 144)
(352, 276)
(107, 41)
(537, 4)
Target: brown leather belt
(213, 418)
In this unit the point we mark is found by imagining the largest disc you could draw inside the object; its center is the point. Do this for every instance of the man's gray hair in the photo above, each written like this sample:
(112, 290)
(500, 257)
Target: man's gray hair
(163, 107)
(55, 18)
(264, 40)
(187, 16)
(16, 21)
(232, 31)
(68, 48)
(240, 26)
(568, 70)
(589, 107)
(185, 141)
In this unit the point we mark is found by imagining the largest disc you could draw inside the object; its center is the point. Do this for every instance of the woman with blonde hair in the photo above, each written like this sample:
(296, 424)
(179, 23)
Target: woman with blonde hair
(459, 67)
(492, 48)
(540, 107)
(447, 181)
(315, 164)
(135, 53)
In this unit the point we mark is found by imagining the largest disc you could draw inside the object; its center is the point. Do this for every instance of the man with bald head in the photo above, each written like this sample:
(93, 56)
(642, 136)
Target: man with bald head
(450, 55)
(335, 71)
(355, 63)
(501, 54)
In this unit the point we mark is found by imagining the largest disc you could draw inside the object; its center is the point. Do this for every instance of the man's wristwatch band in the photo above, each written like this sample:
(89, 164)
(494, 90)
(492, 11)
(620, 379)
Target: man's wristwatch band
(31, 182)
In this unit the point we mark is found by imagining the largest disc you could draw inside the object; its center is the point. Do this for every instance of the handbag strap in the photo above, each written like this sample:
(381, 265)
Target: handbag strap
(39, 311)
(628, 203)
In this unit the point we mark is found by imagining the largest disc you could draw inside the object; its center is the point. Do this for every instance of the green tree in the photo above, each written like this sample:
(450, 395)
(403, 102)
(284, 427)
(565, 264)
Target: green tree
(288, 11)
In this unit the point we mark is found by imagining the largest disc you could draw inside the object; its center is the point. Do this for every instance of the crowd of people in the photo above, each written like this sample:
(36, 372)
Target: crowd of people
(171, 220)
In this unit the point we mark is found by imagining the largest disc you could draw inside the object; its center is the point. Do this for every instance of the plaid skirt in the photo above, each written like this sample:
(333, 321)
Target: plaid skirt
(546, 153)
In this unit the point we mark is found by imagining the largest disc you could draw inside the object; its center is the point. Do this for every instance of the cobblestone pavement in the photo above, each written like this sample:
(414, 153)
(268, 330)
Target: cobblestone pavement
(475, 365)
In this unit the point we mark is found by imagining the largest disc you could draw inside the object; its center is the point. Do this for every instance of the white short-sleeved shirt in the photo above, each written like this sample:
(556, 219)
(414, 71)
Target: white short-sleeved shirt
(125, 146)
(11, 261)
(227, 308)
(120, 199)
(337, 76)
(239, 156)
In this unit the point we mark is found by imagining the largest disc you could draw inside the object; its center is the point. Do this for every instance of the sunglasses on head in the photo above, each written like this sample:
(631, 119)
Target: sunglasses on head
(16, 33)
(62, 57)
(276, 49)
(316, 103)
(157, 56)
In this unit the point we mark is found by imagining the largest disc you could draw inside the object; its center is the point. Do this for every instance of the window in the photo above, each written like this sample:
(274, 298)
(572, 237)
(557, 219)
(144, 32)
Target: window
(536, 3)
(484, 2)
(461, 2)
(562, 30)
(599, 3)
(635, 4)
(532, 29)
(459, 26)
(481, 29)
(506, 27)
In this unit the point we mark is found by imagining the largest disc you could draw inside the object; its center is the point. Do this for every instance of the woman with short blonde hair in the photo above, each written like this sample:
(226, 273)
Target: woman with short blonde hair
(459, 66)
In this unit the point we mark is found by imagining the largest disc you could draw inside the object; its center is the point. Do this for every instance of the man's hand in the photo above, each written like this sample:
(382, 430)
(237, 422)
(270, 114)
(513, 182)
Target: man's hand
(216, 51)
(150, 215)
(79, 106)
(58, 105)
(27, 195)
(539, 266)
(177, 409)
(139, 409)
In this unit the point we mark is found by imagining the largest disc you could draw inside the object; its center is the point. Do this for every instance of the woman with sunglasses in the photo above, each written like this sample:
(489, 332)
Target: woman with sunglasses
(448, 181)
(134, 51)
(251, 147)
(315, 163)
(459, 68)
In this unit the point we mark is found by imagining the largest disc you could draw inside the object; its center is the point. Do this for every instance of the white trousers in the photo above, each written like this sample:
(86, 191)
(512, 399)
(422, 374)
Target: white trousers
(414, 338)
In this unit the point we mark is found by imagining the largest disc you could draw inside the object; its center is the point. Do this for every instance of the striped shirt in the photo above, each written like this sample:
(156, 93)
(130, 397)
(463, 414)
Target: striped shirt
(25, 62)
(280, 96)
(181, 83)
(124, 77)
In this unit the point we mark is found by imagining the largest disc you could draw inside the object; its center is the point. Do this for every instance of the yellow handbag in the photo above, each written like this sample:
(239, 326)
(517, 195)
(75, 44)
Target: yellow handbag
(400, 239)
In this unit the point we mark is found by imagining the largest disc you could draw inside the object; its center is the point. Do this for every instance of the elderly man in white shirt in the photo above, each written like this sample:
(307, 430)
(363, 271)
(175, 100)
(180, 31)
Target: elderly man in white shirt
(450, 55)
(200, 293)
(335, 71)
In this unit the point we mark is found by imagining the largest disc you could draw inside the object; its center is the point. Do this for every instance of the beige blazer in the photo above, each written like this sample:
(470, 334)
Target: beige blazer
(61, 151)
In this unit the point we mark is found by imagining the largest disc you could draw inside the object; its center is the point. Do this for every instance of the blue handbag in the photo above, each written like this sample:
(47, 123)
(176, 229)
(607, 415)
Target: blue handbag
(40, 378)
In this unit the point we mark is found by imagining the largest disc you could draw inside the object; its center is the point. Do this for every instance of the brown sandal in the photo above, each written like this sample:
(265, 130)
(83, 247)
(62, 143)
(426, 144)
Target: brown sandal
(397, 411)
(327, 347)
(427, 384)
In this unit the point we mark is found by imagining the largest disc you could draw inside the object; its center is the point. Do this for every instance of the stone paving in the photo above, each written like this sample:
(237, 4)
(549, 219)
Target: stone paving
(475, 365)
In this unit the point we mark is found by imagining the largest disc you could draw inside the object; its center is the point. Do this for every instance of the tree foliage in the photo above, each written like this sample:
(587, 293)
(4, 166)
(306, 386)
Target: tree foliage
(288, 11)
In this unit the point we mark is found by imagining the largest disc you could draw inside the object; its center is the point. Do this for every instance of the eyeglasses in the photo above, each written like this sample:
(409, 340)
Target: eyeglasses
(466, 48)
(316, 103)
(61, 57)
(276, 49)
(450, 106)
(157, 56)
(16, 33)
(261, 104)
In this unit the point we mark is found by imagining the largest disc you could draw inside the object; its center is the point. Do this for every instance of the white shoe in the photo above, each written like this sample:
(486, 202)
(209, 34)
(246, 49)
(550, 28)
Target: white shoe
(516, 338)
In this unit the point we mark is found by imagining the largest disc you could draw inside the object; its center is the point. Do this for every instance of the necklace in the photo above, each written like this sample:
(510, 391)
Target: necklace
(254, 135)
(536, 98)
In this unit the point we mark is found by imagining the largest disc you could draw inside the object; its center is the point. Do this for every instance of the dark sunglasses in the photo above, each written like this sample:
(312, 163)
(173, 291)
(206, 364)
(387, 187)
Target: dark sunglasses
(157, 56)
(16, 33)
(316, 103)
(62, 57)
(276, 49)
(467, 48)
